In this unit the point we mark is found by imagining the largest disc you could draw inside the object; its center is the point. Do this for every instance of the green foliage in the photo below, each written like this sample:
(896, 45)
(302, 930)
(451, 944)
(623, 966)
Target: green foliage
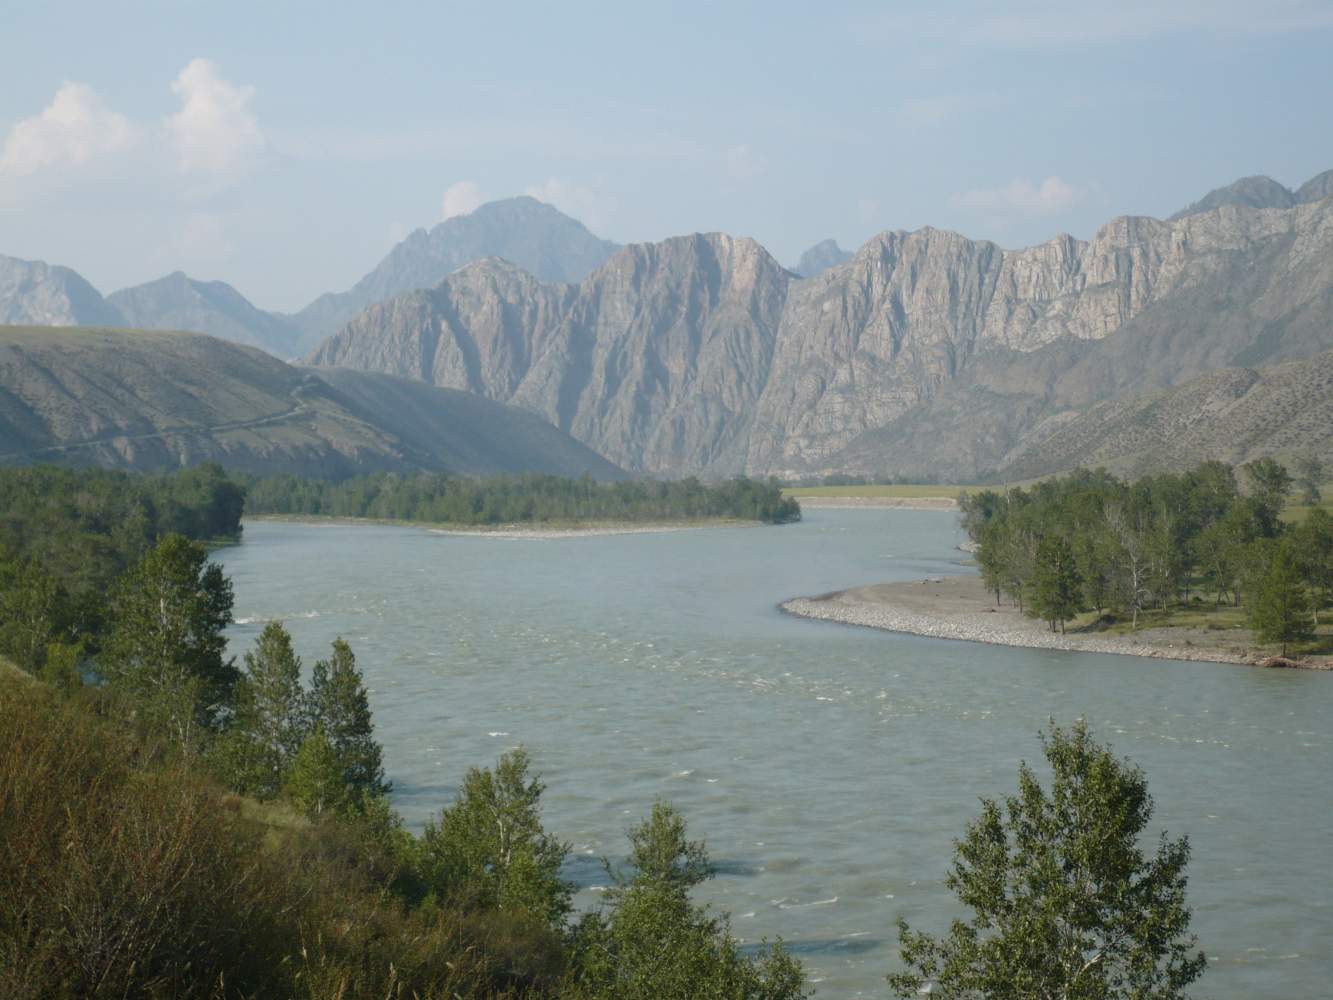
(166, 642)
(489, 847)
(1270, 484)
(1310, 477)
(1064, 901)
(34, 613)
(317, 781)
(269, 721)
(1281, 608)
(444, 499)
(338, 704)
(653, 942)
(1056, 582)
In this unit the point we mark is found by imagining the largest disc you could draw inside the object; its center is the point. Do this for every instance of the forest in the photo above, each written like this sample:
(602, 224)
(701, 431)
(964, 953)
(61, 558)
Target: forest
(445, 499)
(1088, 542)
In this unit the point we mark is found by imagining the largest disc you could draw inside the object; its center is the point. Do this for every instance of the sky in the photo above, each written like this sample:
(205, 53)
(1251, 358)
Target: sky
(284, 147)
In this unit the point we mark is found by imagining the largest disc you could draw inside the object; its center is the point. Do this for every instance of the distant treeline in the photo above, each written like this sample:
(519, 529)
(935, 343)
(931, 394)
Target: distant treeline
(1088, 541)
(445, 499)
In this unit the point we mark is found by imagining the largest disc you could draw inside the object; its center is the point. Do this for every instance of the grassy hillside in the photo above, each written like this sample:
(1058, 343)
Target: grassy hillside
(148, 400)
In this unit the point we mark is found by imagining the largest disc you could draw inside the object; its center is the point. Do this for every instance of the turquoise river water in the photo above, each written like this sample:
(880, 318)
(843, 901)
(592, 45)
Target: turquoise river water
(828, 767)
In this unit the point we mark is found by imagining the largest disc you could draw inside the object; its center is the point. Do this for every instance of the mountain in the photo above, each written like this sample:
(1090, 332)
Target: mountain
(179, 302)
(1233, 415)
(821, 257)
(925, 354)
(535, 236)
(1262, 192)
(144, 400)
(33, 292)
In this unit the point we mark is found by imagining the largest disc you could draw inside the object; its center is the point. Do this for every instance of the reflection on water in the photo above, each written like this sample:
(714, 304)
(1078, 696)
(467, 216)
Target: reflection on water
(829, 768)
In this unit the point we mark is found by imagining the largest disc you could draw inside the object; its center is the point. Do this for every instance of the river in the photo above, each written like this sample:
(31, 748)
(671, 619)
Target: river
(829, 768)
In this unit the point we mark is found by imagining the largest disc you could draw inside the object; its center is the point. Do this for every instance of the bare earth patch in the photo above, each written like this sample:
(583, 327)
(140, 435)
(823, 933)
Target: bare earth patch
(957, 607)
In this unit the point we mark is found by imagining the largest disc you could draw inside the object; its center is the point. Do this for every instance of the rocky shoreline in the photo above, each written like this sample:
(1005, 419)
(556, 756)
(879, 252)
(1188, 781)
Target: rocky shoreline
(958, 608)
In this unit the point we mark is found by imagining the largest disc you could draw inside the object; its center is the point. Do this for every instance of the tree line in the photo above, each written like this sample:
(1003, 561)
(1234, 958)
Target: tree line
(521, 499)
(1090, 542)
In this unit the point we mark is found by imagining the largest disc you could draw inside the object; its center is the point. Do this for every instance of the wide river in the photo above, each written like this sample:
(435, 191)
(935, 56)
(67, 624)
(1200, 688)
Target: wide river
(828, 767)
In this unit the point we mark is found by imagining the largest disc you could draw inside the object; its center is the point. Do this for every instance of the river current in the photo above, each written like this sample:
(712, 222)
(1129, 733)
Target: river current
(828, 767)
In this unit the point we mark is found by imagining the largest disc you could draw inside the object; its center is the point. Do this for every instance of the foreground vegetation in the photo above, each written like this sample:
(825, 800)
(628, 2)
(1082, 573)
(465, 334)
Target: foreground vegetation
(443, 499)
(173, 824)
(1174, 547)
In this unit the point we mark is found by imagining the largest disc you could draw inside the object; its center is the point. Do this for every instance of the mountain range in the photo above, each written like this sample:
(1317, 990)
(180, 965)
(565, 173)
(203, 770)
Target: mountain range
(923, 354)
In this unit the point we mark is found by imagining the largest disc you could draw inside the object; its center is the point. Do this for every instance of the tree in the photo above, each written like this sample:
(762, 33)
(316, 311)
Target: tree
(654, 943)
(1064, 902)
(270, 716)
(317, 782)
(165, 643)
(1056, 583)
(1309, 477)
(1313, 542)
(489, 846)
(339, 704)
(1280, 606)
(1270, 483)
(34, 609)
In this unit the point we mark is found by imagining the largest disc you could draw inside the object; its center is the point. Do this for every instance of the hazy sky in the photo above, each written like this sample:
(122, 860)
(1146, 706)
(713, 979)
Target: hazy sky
(284, 147)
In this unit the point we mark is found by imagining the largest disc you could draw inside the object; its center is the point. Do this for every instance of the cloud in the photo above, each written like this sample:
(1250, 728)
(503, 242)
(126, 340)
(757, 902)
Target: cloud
(867, 209)
(936, 110)
(743, 163)
(214, 133)
(462, 198)
(1020, 198)
(74, 130)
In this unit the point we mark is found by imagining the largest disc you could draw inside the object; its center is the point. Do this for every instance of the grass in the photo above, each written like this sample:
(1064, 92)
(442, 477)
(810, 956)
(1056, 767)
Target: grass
(906, 492)
(1225, 622)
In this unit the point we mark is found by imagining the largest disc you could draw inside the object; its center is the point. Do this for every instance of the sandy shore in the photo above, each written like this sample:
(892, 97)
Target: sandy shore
(898, 503)
(957, 607)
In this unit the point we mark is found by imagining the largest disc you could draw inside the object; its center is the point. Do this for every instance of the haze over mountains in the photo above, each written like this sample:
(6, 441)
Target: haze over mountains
(923, 354)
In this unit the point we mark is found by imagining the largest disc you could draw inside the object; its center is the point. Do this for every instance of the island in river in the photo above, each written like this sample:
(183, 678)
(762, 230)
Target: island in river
(959, 607)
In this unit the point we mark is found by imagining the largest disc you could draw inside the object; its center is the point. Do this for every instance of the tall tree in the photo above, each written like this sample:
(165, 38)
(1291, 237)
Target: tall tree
(654, 942)
(1270, 484)
(490, 847)
(1064, 902)
(1310, 479)
(270, 722)
(1280, 605)
(339, 705)
(34, 609)
(1056, 583)
(166, 642)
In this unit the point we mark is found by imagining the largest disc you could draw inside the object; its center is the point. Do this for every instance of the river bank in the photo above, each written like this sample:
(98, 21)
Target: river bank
(536, 530)
(959, 607)
(878, 503)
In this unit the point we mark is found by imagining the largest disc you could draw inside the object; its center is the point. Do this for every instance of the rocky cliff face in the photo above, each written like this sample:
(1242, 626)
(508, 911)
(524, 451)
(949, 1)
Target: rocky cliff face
(531, 234)
(702, 355)
(32, 292)
(179, 302)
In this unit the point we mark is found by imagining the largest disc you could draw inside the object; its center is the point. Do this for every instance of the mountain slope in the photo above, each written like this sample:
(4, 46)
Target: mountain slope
(152, 400)
(33, 292)
(535, 236)
(179, 302)
(821, 257)
(926, 354)
(1234, 415)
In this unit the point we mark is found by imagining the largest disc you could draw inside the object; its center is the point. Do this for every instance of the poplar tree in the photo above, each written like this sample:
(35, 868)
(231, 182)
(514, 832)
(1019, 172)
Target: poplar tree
(338, 704)
(1064, 901)
(1056, 583)
(1280, 608)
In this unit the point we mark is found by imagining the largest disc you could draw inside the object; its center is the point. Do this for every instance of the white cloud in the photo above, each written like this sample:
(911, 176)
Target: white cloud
(215, 133)
(462, 198)
(572, 199)
(743, 163)
(75, 129)
(1020, 198)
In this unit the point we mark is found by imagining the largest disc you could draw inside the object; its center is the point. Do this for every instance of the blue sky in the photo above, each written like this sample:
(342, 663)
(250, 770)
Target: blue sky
(284, 147)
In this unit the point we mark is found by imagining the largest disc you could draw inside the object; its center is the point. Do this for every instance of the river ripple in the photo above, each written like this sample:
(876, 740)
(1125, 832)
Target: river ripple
(828, 767)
